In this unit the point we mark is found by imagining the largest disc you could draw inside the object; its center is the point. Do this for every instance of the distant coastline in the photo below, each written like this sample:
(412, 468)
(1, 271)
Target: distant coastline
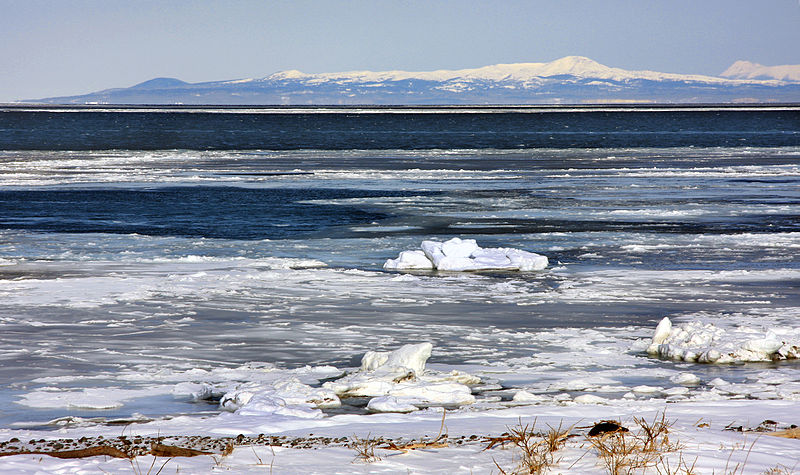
(569, 80)
(407, 108)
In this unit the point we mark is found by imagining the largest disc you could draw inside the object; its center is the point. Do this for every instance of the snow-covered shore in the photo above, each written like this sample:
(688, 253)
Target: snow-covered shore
(276, 422)
(701, 430)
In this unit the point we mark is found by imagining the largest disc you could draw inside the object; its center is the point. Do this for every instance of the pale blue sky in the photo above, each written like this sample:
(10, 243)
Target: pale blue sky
(63, 47)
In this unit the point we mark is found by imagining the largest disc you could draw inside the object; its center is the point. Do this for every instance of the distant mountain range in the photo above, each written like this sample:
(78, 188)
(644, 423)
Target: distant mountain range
(569, 80)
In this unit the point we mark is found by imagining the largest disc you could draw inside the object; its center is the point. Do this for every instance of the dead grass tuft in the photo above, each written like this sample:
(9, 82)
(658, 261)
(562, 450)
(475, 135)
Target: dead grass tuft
(628, 452)
(537, 451)
(438, 442)
(365, 448)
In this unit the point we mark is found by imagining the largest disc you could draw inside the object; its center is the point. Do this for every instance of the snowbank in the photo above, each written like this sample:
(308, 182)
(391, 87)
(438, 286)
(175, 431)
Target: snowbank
(465, 255)
(398, 382)
(708, 343)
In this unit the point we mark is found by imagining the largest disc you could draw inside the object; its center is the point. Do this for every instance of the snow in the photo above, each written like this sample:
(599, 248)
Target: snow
(465, 255)
(397, 381)
(406, 397)
(391, 404)
(283, 392)
(707, 343)
(698, 428)
(408, 260)
(522, 73)
(407, 357)
(749, 70)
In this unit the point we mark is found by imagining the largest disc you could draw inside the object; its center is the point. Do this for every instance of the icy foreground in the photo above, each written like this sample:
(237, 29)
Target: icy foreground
(274, 422)
(465, 255)
(707, 343)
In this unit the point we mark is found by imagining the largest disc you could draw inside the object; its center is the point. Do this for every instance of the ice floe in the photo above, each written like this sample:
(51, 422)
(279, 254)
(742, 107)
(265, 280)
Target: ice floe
(707, 343)
(397, 381)
(286, 392)
(465, 255)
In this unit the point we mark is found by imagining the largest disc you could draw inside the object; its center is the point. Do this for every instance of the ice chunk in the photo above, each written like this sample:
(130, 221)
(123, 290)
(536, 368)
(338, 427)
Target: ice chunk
(459, 248)
(525, 396)
(409, 260)
(196, 391)
(390, 404)
(288, 392)
(266, 403)
(708, 343)
(412, 357)
(676, 391)
(435, 393)
(663, 331)
(590, 399)
(465, 255)
(401, 374)
(685, 379)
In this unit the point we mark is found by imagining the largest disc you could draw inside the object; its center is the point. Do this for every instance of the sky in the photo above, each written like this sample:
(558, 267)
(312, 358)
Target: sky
(67, 47)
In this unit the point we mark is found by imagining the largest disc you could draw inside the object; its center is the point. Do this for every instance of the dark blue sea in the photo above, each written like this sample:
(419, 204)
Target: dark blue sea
(142, 245)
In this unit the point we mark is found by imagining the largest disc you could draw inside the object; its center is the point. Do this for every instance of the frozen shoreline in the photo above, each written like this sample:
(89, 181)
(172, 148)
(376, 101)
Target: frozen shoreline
(275, 416)
(703, 430)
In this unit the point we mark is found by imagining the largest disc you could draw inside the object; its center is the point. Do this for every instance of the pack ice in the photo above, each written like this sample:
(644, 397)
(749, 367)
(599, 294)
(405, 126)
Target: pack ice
(707, 343)
(465, 255)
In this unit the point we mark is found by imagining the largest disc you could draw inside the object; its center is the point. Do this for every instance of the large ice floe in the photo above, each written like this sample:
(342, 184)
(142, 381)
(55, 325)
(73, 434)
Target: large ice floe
(465, 255)
(707, 343)
(397, 381)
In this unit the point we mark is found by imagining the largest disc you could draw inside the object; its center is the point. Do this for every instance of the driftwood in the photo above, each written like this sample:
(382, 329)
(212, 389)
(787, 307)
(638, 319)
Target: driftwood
(159, 450)
(788, 433)
(78, 453)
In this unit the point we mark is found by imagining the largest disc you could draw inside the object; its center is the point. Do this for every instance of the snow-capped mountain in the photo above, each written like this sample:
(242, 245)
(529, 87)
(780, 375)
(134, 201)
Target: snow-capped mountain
(573, 79)
(748, 70)
(577, 66)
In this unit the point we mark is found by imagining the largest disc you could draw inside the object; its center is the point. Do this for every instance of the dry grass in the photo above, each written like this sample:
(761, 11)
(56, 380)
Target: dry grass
(788, 433)
(537, 451)
(682, 467)
(778, 470)
(439, 441)
(628, 452)
(365, 448)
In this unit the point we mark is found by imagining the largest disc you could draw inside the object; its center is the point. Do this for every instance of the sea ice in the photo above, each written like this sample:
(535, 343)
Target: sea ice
(523, 396)
(391, 404)
(411, 357)
(590, 399)
(708, 343)
(397, 380)
(409, 260)
(288, 392)
(465, 255)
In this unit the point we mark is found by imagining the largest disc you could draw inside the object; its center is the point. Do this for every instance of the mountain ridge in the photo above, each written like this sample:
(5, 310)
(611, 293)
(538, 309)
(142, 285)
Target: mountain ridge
(747, 70)
(572, 79)
(579, 66)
